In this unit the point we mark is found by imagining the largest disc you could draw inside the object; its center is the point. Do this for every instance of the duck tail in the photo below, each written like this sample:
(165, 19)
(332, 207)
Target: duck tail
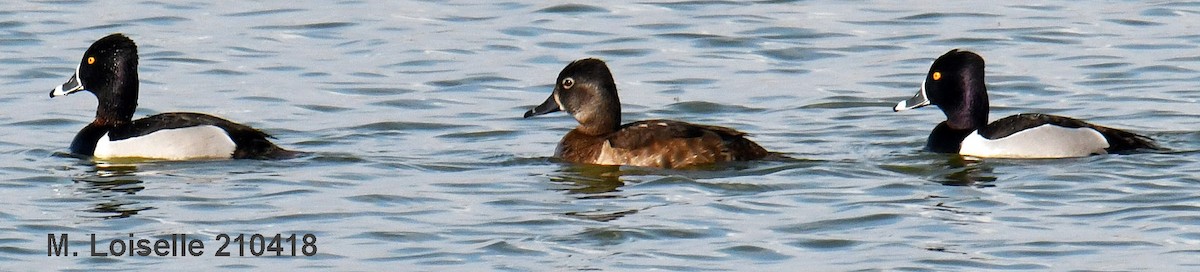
(1121, 141)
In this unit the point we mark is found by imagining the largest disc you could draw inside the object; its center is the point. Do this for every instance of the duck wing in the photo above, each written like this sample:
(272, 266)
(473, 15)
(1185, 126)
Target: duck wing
(251, 143)
(1118, 140)
(680, 143)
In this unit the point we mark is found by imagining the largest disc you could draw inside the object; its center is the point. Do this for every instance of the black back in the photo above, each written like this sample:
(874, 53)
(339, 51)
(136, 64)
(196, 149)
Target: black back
(1118, 140)
(251, 143)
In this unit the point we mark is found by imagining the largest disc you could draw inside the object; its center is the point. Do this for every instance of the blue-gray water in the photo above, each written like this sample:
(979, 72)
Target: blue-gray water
(422, 161)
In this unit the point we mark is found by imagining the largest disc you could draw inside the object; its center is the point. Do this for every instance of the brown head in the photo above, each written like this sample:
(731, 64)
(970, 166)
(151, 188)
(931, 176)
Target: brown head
(586, 90)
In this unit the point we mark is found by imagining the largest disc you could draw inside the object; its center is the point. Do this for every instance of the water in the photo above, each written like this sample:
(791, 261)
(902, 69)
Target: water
(422, 161)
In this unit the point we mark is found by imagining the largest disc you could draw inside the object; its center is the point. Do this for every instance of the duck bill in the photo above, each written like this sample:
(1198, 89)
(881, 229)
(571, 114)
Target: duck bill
(551, 105)
(71, 86)
(917, 101)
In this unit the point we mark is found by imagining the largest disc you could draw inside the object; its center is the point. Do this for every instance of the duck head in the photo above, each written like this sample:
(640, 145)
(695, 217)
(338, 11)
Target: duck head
(108, 70)
(586, 90)
(955, 83)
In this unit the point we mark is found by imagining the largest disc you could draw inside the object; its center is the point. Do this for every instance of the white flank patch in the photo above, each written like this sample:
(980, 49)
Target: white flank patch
(610, 156)
(1041, 142)
(199, 142)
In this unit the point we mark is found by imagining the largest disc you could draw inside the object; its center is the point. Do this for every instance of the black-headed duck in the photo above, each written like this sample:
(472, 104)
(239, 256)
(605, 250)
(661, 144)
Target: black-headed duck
(109, 71)
(955, 84)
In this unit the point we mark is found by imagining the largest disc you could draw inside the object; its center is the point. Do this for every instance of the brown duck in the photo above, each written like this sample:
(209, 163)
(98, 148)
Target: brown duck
(586, 90)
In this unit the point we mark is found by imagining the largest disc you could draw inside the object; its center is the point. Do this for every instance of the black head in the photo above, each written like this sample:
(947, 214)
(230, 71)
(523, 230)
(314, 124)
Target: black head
(586, 90)
(955, 84)
(108, 70)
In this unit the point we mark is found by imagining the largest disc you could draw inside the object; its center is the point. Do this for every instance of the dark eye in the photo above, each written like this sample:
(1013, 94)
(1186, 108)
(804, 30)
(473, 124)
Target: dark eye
(567, 83)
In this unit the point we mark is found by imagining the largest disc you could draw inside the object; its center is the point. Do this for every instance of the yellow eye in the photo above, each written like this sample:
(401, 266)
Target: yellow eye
(937, 75)
(91, 60)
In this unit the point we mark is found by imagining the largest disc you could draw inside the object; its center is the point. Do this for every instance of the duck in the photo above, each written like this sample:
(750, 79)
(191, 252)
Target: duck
(108, 70)
(955, 84)
(586, 90)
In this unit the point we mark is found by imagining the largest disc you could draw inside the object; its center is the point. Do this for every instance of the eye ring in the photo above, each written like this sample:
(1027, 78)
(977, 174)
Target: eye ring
(937, 75)
(567, 83)
(91, 60)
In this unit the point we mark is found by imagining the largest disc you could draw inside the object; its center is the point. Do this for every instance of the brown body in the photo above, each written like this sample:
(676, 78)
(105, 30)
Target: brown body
(586, 90)
(659, 143)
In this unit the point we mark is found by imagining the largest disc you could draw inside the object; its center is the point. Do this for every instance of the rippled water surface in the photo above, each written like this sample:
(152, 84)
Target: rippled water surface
(421, 160)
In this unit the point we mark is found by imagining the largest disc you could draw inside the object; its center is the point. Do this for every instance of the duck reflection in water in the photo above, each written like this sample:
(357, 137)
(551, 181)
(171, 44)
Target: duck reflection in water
(111, 186)
(591, 180)
(595, 180)
(966, 171)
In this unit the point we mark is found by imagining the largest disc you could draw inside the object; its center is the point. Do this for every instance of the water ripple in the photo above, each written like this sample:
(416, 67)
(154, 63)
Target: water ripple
(573, 8)
(312, 26)
(418, 158)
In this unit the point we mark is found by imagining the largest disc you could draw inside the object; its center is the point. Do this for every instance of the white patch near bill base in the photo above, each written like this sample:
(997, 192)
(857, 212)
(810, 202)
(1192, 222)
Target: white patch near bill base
(1041, 142)
(198, 142)
(903, 105)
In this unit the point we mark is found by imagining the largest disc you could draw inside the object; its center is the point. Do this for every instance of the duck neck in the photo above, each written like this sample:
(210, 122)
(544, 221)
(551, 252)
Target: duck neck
(602, 125)
(603, 121)
(118, 101)
(972, 113)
